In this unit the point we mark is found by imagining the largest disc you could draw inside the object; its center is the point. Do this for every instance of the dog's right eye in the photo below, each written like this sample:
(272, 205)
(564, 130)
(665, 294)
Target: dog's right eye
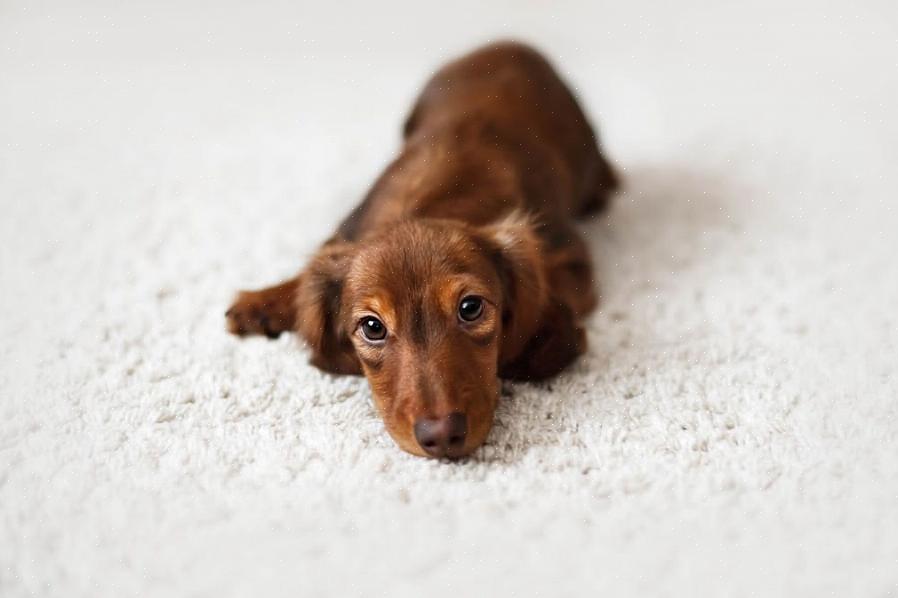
(470, 308)
(373, 329)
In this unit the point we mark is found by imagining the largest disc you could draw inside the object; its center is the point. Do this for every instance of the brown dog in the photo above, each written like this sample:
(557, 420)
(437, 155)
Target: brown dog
(461, 265)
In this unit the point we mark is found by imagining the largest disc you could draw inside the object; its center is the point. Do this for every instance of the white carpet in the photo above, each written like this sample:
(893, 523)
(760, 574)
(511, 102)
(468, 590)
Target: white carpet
(732, 431)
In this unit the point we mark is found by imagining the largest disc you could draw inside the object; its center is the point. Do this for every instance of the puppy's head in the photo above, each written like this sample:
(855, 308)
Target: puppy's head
(426, 311)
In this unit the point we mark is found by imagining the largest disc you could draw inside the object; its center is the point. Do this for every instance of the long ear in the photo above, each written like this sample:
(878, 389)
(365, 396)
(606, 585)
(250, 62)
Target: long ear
(318, 303)
(540, 336)
(556, 343)
(516, 252)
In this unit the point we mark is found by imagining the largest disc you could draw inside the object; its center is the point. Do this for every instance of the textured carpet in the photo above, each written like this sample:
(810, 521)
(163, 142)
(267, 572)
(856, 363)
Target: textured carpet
(732, 430)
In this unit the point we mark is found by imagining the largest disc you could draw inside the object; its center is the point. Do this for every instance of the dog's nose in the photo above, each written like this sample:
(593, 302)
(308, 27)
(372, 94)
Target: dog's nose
(442, 436)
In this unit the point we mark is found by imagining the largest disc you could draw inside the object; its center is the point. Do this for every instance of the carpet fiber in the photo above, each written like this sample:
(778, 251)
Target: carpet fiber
(732, 430)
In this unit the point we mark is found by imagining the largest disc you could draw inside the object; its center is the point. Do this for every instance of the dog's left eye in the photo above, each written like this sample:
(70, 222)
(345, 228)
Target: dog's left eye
(470, 308)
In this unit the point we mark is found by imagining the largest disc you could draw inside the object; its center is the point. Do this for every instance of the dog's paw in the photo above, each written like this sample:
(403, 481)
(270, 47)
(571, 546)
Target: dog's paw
(254, 313)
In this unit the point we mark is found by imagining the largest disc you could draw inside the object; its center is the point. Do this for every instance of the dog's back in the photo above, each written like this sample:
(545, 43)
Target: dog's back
(493, 131)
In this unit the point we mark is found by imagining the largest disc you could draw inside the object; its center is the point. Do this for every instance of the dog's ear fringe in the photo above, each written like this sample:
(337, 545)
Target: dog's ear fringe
(519, 260)
(521, 249)
(318, 306)
(539, 334)
(514, 229)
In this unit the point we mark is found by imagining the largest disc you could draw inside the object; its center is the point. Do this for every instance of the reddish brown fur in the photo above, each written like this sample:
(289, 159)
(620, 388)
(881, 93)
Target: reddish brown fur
(498, 160)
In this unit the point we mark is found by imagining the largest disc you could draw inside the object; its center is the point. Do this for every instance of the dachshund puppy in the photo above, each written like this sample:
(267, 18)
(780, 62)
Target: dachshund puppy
(461, 265)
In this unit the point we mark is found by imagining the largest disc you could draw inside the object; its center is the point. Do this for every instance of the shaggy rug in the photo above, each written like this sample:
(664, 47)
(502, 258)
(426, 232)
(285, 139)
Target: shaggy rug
(732, 430)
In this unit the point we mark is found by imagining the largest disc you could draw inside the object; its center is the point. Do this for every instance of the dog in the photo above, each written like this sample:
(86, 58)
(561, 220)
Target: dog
(461, 266)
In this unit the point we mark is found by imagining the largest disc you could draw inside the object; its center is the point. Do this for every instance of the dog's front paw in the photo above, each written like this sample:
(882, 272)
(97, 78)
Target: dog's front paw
(255, 313)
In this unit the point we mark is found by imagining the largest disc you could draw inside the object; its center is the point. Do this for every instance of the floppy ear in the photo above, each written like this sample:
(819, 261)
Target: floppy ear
(318, 304)
(553, 346)
(540, 336)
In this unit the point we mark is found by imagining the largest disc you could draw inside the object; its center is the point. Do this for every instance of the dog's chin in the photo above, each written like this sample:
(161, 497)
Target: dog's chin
(407, 442)
(417, 451)
(409, 445)
(404, 438)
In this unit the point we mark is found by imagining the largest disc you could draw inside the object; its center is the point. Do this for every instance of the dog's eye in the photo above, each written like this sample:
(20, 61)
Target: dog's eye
(373, 329)
(470, 308)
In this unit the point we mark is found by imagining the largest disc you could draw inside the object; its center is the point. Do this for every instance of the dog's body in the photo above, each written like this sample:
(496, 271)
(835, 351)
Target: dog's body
(461, 263)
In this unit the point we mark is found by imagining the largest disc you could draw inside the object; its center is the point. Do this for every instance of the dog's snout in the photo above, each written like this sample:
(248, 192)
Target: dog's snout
(442, 436)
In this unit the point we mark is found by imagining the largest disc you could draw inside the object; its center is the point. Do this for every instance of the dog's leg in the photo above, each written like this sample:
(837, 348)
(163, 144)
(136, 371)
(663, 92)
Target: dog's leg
(575, 287)
(569, 268)
(269, 311)
(604, 182)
